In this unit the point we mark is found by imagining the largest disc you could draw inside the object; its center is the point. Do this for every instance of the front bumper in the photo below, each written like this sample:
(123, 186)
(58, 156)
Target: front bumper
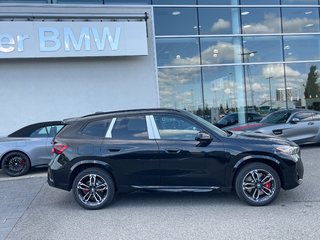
(293, 175)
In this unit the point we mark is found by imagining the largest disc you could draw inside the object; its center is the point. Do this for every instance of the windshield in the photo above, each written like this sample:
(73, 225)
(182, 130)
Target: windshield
(276, 117)
(208, 125)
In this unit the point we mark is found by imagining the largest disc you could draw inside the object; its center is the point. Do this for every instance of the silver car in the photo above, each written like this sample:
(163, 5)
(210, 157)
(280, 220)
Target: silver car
(298, 125)
(28, 147)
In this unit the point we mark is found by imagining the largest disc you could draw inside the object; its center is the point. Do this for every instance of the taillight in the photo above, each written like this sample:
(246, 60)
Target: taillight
(58, 148)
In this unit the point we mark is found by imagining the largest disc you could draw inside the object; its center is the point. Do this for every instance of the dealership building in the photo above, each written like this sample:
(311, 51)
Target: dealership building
(65, 58)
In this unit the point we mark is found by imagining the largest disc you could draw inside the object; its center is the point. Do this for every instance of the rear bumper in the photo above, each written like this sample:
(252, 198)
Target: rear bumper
(52, 180)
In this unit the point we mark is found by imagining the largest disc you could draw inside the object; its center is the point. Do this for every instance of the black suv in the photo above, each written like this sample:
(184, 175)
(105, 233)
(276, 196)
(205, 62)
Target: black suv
(168, 150)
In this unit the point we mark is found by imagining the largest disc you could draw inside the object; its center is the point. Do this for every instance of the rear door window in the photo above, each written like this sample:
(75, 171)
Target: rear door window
(134, 127)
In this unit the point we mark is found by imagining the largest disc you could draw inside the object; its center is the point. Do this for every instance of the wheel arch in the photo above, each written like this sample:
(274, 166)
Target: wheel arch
(271, 162)
(77, 168)
(11, 151)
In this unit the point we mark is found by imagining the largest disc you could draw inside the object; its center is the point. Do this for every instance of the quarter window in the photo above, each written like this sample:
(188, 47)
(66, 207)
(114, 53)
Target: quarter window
(176, 128)
(96, 128)
(130, 128)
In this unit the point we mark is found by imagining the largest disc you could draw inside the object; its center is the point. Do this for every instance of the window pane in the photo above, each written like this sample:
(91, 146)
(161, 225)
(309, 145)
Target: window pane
(81, 1)
(175, 21)
(178, 51)
(299, 2)
(40, 133)
(300, 20)
(303, 85)
(177, 128)
(130, 128)
(265, 88)
(260, 20)
(304, 116)
(220, 50)
(262, 49)
(180, 88)
(223, 91)
(173, 2)
(127, 1)
(260, 2)
(301, 47)
(24, 1)
(96, 128)
(218, 2)
(215, 20)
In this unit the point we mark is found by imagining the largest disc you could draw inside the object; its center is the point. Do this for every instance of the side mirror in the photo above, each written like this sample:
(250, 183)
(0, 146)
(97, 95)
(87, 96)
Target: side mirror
(295, 120)
(203, 137)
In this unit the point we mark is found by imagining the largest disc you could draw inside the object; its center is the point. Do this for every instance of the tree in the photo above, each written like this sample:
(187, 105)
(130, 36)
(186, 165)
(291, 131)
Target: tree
(312, 87)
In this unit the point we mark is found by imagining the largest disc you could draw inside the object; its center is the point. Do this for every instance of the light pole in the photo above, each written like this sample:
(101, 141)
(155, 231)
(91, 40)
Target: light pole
(270, 92)
(246, 57)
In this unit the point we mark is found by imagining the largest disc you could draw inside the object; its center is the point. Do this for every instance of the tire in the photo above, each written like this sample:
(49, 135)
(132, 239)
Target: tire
(93, 188)
(257, 184)
(15, 164)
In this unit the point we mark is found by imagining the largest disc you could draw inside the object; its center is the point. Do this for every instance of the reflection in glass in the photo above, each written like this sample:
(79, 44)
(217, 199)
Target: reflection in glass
(262, 49)
(127, 1)
(260, 2)
(80, 1)
(301, 47)
(215, 20)
(219, 50)
(303, 85)
(171, 2)
(298, 20)
(260, 20)
(177, 51)
(299, 2)
(181, 88)
(175, 21)
(218, 2)
(223, 91)
(265, 87)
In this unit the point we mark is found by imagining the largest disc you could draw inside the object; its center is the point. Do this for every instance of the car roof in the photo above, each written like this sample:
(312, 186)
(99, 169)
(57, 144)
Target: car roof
(27, 130)
(99, 115)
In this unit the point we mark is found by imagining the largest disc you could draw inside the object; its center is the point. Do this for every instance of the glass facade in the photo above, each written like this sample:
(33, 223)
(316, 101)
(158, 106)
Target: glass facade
(217, 56)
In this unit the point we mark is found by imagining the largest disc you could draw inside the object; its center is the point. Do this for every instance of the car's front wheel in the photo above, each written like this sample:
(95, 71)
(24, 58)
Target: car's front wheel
(257, 184)
(15, 164)
(93, 188)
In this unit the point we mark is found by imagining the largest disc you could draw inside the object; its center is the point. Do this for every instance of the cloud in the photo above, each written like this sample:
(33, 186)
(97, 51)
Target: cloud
(219, 25)
(271, 24)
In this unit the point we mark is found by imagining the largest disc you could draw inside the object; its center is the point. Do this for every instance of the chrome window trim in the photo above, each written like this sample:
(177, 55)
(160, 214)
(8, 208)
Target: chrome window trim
(155, 128)
(153, 132)
(149, 127)
(108, 134)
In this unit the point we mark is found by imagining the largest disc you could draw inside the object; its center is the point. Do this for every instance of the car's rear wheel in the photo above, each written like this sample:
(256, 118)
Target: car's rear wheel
(93, 188)
(257, 184)
(15, 164)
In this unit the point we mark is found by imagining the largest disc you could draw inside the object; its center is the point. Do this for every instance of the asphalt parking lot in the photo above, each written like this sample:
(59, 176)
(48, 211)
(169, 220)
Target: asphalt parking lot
(30, 209)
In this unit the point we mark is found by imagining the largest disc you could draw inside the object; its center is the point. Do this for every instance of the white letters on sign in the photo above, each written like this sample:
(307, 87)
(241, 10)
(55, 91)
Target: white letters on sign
(72, 39)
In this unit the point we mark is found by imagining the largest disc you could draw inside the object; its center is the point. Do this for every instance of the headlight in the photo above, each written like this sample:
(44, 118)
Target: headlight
(291, 151)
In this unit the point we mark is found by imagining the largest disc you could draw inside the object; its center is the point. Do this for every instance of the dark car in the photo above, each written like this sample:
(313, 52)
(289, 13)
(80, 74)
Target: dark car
(168, 150)
(28, 147)
(233, 118)
(299, 125)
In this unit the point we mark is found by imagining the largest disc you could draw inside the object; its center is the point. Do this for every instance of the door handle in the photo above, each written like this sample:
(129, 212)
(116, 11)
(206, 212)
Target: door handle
(114, 150)
(173, 150)
(310, 123)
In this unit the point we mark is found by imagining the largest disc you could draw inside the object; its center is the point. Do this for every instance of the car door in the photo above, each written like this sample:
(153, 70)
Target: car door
(301, 127)
(185, 161)
(131, 153)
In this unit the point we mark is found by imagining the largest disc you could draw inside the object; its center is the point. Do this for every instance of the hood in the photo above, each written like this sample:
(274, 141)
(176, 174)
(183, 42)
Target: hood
(261, 138)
